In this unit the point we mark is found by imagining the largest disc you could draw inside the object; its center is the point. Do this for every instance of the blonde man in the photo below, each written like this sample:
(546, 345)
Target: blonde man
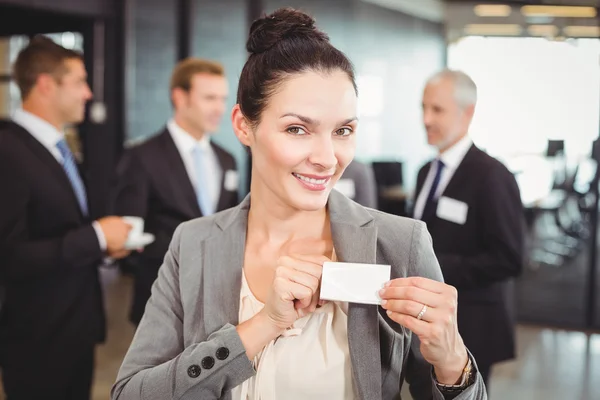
(179, 174)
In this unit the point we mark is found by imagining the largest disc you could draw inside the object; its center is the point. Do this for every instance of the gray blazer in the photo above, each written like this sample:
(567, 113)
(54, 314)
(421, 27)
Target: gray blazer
(187, 347)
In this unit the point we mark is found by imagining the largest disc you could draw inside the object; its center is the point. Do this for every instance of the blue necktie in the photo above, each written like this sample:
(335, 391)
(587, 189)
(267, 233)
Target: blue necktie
(70, 168)
(202, 189)
(431, 202)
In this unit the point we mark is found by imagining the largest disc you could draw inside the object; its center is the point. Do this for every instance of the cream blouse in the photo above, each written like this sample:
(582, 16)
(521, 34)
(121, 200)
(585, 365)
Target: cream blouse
(309, 360)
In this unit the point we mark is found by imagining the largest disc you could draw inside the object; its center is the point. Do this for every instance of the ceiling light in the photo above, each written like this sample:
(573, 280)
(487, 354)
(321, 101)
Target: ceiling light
(492, 10)
(559, 11)
(493, 29)
(581, 31)
(542, 30)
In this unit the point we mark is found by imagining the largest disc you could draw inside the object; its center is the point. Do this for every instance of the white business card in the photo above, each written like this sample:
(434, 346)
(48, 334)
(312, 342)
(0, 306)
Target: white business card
(353, 282)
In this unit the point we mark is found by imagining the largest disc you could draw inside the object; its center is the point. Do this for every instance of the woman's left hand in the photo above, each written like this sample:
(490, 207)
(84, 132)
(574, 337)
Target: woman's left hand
(429, 309)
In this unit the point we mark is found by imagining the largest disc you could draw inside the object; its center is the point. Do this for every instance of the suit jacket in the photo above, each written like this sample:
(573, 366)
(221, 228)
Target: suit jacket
(195, 305)
(153, 184)
(48, 258)
(359, 178)
(482, 256)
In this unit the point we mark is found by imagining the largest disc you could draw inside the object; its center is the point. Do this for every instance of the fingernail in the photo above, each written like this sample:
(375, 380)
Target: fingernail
(382, 292)
(383, 302)
(388, 283)
(389, 313)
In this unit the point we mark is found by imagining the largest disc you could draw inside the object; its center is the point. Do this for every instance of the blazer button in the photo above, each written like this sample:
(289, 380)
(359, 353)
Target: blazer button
(193, 371)
(222, 353)
(208, 362)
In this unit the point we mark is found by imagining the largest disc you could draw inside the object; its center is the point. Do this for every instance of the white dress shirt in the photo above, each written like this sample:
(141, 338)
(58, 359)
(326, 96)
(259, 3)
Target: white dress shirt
(186, 144)
(49, 136)
(451, 158)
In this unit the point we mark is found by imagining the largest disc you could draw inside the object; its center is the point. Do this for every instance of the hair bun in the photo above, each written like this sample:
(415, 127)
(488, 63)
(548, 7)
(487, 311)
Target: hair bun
(282, 24)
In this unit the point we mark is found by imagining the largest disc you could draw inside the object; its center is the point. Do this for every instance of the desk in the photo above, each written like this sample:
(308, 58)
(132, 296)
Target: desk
(395, 192)
(392, 200)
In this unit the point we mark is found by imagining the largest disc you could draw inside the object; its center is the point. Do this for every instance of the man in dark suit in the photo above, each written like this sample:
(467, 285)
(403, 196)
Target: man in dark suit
(473, 210)
(51, 248)
(179, 174)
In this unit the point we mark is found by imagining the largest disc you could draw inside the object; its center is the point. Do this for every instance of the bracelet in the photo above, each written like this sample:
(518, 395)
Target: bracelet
(466, 380)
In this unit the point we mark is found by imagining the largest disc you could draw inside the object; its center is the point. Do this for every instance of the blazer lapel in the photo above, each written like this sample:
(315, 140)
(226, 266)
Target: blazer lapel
(225, 166)
(421, 179)
(456, 183)
(178, 176)
(223, 269)
(355, 240)
(51, 162)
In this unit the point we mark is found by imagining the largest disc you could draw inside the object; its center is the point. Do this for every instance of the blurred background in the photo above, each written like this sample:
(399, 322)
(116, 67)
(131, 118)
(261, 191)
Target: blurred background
(536, 64)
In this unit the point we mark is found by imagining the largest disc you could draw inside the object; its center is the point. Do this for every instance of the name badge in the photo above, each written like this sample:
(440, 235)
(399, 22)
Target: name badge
(452, 210)
(346, 187)
(231, 180)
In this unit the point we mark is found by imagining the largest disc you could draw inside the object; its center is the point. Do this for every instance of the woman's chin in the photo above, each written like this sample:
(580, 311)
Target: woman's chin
(313, 201)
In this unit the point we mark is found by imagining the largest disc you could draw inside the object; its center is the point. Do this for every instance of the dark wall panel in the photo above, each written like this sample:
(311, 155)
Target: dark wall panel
(151, 55)
(82, 7)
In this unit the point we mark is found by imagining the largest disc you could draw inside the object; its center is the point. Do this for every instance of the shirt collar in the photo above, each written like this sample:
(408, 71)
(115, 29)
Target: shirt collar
(185, 141)
(453, 156)
(39, 128)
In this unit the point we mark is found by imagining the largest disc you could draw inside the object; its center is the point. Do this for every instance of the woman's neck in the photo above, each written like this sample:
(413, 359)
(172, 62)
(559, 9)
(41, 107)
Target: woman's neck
(274, 222)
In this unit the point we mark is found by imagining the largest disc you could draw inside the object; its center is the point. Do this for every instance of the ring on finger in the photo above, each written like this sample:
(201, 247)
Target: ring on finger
(422, 313)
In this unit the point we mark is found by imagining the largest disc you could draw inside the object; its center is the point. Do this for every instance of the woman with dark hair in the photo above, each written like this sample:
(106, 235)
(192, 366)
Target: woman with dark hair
(235, 312)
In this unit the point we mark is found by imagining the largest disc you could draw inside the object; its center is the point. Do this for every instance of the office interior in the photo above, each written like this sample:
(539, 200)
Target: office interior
(538, 112)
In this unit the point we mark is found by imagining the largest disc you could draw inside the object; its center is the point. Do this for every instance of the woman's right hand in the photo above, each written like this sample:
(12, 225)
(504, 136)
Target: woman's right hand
(295, 289)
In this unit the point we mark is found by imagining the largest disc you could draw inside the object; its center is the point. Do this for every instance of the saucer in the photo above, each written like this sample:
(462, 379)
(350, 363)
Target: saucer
(139, 241)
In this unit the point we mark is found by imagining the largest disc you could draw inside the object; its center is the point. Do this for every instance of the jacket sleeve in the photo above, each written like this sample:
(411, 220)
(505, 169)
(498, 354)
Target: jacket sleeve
(130, 193)
(131, 196)
(159, 367)
(24, 257)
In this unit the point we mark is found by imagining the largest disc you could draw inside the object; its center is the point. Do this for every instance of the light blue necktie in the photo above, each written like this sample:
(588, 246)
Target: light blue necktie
(202, 188)
(70, 168)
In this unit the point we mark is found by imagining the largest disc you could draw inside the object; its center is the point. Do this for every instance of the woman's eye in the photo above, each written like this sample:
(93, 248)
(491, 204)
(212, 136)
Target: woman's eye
(296, 130)
(343, 132)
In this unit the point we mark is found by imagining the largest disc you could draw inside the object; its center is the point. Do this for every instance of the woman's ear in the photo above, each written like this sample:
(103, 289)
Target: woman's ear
(240, 126)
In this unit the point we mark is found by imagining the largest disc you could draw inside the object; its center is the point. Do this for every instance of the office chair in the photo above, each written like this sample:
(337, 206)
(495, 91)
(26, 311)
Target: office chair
(569, 205)
(389, 174)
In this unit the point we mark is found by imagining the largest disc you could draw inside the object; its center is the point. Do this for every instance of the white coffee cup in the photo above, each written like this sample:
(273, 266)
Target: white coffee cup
(137, 227)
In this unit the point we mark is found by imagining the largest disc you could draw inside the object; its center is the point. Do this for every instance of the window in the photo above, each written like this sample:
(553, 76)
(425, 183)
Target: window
(532, 90)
